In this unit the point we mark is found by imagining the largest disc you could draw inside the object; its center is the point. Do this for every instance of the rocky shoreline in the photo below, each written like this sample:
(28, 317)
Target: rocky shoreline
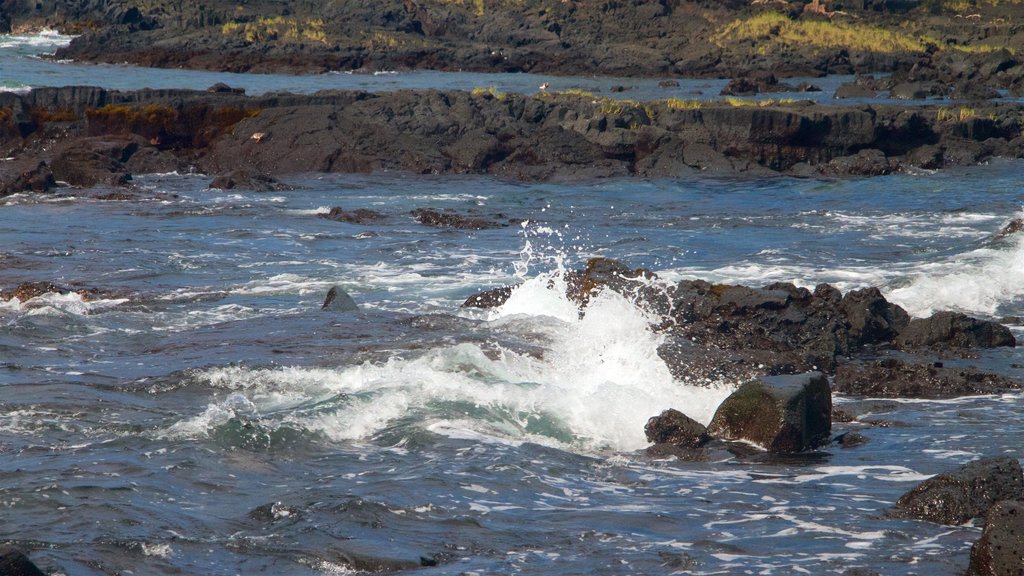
(86, 136)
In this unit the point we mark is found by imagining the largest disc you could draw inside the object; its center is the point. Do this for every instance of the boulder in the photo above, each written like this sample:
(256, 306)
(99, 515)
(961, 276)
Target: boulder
(14, 562)
(783, 414)
(1000, 550)
(896, 378)
(954, 330)
(968, 492)
(675, 428)
(337, 300)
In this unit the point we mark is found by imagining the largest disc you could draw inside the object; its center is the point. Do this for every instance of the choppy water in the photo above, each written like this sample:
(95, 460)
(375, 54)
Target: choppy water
(206, 417)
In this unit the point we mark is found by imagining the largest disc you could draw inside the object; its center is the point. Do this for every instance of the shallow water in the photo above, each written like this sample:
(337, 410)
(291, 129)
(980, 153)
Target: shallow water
(22, 68)
(204, 415)
(207, 416)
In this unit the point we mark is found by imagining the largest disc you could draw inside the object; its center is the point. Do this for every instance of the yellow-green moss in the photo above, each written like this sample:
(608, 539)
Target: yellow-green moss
(277, 29)
(770, 29)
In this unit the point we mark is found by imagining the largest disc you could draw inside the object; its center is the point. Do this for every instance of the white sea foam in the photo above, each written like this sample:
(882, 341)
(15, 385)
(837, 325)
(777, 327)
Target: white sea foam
(598, 383)
(44, 39)
(978, 282)
(52, 304)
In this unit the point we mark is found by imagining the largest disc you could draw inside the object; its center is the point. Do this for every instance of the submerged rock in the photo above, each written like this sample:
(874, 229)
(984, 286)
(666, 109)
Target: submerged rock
(783, 414)
(337, 300)
(29, 290)
(968, 492)
(247, 180)
(1015, 225)
(1000, 550)
(452, 219)
(358, 216)
(14, 562)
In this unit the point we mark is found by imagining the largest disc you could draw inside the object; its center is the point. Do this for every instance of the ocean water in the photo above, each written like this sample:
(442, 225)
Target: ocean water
(203, 415)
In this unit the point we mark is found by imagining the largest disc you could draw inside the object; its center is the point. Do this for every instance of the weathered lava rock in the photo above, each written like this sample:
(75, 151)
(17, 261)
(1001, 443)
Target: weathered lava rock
(784, 414)
(956, 330)
(968, 492)
(897, 378)
(674, 427)
(1000, 550)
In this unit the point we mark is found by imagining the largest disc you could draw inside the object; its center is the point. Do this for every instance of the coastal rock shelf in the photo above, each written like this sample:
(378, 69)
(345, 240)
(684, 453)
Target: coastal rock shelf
(91, 135)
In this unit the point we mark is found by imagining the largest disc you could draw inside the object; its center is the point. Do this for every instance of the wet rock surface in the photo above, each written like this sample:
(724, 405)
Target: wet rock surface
(14, 562)
(783, 414)
(1000, 550)
(675, 428)
(896, 378)
(91, 136)
(968, 492)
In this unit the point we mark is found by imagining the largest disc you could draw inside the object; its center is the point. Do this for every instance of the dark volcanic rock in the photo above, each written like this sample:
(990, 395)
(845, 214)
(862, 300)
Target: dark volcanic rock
(1015, 225)
(363, 216)
(489, 298)
(870, 162)
(894, 378)
(452, 219)
(968, 492)
(14, 562)
(87, 167)
(603, 273)
(1000, 550)
(784, 414)
(954, 330)
(38, 179)
(674, 427)
(337, 300)
(871, 317)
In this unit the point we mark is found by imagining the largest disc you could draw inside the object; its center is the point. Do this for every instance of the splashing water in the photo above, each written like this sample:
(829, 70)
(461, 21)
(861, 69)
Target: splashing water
(977, 282)
(597, 382)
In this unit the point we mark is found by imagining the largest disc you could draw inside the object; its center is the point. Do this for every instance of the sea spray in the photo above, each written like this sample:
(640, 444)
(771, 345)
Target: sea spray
(593, 388)
(977, 282)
